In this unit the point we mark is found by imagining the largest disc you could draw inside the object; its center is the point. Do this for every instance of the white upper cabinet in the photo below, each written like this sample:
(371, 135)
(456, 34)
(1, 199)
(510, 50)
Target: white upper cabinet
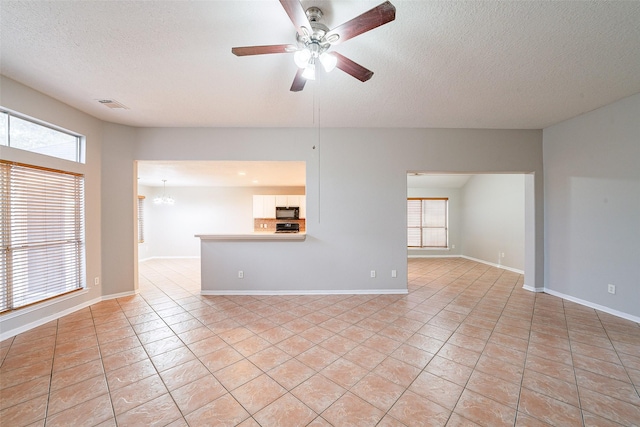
(258, 206)
(293, 201)
(303, 207)
(264, 206)
(288, 201)
(269, 205)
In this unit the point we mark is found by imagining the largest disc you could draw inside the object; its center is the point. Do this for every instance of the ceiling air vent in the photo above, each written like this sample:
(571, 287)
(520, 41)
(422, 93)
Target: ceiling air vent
(111, 103)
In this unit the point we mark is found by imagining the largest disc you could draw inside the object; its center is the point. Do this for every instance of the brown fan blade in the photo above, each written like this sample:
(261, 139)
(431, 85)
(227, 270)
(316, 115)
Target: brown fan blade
(298, 81)
(297, 15)
(379, 15)
(352, 68)
(261, 50)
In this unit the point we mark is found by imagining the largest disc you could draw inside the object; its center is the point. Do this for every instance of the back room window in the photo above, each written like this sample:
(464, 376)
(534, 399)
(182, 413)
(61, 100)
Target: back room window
(427, 223)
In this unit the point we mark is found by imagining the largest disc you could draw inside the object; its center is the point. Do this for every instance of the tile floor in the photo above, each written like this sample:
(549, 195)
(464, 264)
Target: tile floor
(467, 346)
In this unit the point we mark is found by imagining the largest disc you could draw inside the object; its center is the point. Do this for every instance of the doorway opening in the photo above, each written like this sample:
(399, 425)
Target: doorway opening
(208, 197)
(488, 217)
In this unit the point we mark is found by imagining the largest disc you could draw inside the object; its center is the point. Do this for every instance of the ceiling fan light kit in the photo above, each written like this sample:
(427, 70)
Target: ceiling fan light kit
(314, 40)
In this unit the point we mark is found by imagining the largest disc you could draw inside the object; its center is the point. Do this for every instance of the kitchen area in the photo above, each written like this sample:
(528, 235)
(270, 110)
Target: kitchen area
(279, 213)
(216, 198)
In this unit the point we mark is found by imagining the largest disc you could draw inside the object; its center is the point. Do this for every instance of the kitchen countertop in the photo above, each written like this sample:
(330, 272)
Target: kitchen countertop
(266, 236)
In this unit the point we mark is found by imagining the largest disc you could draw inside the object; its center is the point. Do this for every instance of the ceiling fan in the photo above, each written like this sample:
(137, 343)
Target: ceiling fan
(314, 41)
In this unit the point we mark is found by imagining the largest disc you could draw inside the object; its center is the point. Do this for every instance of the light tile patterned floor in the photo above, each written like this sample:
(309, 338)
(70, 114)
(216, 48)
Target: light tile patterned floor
(467, 346)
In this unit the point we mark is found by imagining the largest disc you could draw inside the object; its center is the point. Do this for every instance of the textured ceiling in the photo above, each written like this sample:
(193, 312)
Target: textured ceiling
(460, 64)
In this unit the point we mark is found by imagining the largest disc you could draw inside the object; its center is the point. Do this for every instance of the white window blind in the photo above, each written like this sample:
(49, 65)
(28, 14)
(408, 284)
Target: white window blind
(414, 223)
(427, 223)
(42, 235)
(140, 219)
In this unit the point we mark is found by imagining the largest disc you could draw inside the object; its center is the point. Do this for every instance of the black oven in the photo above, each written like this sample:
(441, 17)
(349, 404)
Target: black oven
(287, 227)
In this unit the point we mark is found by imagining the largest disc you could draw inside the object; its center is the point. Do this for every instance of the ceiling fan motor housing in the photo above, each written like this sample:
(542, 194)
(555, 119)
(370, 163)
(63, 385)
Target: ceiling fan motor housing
(314, 14)
(315, 40)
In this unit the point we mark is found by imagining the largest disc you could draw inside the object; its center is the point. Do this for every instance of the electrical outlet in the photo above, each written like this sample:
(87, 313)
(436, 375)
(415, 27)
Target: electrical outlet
(373, 274)
(453, 246)
(96, 281)
(394, 273)
(611, 288)
(502, 254)
(240, 274)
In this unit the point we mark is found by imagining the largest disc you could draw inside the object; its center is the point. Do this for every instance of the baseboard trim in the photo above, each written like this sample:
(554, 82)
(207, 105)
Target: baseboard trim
(481, 261)
(546, 290)
(312, 292)
(167, 257)
(532, 289)
(120, 295)
(433, 256)
(24, 328)
(504, 267)
(44, 304)
(595, 306)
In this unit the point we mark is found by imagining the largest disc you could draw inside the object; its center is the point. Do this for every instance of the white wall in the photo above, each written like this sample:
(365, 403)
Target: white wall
(592, 199)
(170, 229)
(493, 219)
(119, 210)
(31, 103)
(358, 171)
(455, 212)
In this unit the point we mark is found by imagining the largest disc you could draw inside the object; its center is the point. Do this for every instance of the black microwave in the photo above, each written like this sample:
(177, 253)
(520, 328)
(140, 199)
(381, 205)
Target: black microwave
(287, 213)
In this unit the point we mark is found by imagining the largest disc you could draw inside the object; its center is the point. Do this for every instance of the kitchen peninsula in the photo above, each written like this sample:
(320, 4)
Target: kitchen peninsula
(250, 264)
(268, 236)
(265, 261)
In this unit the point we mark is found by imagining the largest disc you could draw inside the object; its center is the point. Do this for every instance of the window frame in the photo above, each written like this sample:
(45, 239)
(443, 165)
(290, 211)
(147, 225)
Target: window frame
(423, 226)
(80, 149)
(140, 219)
(58, 225)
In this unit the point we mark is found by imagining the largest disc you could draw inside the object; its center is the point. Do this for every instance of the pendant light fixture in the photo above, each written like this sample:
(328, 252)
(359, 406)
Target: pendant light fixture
(164, 200)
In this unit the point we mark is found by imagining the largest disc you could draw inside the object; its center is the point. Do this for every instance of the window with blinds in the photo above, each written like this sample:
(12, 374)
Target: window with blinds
(140, 219)
(427, 225)
(42, 234)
